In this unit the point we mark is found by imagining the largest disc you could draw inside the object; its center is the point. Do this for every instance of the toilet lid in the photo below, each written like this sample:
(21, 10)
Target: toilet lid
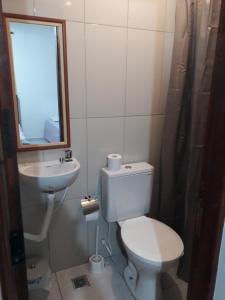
(151, 240)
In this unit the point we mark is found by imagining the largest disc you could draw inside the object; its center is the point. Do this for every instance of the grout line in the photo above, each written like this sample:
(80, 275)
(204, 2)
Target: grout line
(86, 100)
(34, 8)
(166, 13)
(125, 88)
(119, 116)
(58, 285)
(128, 27)
(128, 10)
(107, 25)
(118, 26)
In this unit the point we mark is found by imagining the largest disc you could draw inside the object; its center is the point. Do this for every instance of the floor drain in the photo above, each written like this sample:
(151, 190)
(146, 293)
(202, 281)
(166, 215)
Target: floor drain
(80, 282)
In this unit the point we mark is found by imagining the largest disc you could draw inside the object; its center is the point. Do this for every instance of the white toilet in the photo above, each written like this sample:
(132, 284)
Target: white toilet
(152, 247)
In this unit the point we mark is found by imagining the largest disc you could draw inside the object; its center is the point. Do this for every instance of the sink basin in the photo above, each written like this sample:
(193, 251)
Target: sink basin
(50, 176)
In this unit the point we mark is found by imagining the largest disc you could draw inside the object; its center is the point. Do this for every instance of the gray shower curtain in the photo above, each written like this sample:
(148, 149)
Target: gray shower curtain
(185, 120)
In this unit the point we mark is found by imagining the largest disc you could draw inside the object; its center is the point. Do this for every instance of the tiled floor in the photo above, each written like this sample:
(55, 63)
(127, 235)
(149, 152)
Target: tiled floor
(108, 285)
(55, 293)
(173, 287)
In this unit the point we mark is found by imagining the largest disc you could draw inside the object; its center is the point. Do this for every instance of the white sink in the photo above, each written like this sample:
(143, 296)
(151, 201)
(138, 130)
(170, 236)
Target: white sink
(50, 176)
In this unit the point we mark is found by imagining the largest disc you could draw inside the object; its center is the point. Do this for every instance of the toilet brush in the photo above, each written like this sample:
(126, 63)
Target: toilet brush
(96, 261)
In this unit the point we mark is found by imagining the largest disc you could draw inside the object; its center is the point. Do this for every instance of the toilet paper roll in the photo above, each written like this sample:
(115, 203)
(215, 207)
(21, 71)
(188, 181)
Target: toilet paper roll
(89, 205)
(92, 217)
(114, 162)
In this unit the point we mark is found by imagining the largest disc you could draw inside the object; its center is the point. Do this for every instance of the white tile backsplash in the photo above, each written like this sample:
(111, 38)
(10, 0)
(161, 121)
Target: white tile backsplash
(143, 139)
(23, 7)
(76, 69)
(119, 58)
(106, 70)
(170, 15)
(72, 10)
(137, 139)
(30, 156)
(53, 154)
(109, 12)
(105, 135)
(144, 71)
(147, 14)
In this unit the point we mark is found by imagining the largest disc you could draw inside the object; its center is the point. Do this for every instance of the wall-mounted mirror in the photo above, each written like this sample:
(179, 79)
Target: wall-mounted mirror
(37, 50)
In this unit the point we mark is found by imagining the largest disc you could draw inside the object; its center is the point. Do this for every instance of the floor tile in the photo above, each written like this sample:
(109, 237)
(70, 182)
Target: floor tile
(107, 285)
(173, 287)
(54, 292)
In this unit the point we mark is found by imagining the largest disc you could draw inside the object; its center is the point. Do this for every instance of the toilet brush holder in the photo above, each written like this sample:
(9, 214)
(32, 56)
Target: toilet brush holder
(96, 263)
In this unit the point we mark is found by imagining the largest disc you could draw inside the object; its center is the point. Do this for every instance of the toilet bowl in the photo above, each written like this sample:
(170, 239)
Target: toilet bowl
(152, 248)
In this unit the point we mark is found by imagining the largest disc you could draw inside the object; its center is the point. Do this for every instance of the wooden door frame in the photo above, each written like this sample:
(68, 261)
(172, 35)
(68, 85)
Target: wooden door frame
(12, 259)
(210, 220)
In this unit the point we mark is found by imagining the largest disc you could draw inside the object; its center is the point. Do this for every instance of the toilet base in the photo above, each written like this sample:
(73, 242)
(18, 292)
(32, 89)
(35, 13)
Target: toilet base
(142, 286)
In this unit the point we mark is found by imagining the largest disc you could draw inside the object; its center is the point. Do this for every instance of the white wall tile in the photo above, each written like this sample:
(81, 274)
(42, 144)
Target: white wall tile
(30, 156)
(28, 194)
(106, 68)
(170, 15)
(144, 71)
(147, 14)
(68, 237)
(91, 236)
(32, 222)
(53, 154)
(76, 69)
(109, 12)
(72, 10)
(104, 233)
(143, 139)
(137, 139)
(105, 135)
(24, 7)
(79, 148)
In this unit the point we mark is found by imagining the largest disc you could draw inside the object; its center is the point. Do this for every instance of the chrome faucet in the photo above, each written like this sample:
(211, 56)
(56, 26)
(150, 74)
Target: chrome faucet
(68, 156)
(62, 159)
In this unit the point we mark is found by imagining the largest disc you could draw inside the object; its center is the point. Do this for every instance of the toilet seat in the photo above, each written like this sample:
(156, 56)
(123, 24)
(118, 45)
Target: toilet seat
(151, 240)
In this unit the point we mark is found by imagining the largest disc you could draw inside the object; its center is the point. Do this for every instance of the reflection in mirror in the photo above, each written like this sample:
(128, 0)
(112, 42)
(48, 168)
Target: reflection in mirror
(37, 63)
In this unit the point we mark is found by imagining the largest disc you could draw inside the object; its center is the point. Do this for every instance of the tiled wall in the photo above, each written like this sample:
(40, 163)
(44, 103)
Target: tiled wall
(119, 56)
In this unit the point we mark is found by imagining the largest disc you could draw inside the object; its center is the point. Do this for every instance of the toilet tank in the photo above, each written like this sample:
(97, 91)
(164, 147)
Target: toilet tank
(126, 193)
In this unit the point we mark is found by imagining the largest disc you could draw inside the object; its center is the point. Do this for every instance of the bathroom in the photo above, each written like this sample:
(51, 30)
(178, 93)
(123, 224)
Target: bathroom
(119, 61)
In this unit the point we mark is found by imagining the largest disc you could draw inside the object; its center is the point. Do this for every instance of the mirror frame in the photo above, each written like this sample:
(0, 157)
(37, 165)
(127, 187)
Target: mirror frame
(62, 82)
